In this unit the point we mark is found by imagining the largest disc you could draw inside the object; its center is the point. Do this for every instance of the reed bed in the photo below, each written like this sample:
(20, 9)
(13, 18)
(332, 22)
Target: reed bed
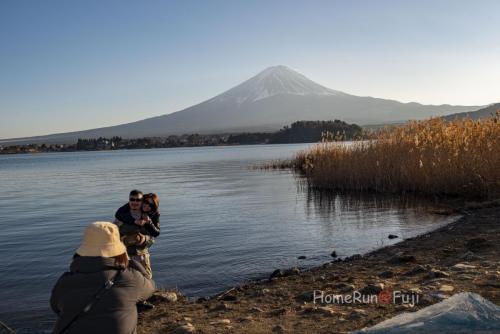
(434, 157)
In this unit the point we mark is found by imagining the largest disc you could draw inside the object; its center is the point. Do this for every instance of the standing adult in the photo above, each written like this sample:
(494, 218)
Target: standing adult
(138, 227)
(100, 292)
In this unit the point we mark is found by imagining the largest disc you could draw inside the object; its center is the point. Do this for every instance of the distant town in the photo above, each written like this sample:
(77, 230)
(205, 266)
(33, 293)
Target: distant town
(298, 132)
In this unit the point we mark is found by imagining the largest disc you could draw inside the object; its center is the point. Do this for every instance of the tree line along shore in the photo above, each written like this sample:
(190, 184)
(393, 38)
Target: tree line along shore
(298, 132)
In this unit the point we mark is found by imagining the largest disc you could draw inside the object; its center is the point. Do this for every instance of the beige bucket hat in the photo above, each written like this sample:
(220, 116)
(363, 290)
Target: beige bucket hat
(101, 239)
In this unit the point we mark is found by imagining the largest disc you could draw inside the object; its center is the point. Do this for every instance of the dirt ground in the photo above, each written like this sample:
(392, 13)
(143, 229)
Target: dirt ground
(462, 256)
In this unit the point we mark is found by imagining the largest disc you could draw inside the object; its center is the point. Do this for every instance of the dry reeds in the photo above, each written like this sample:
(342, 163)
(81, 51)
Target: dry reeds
(459, 158)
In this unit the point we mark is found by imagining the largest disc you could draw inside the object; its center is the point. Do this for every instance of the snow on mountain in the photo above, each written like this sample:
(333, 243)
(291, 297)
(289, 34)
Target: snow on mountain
(273, 81)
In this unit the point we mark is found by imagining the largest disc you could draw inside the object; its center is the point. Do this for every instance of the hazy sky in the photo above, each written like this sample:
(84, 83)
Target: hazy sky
(72, 65)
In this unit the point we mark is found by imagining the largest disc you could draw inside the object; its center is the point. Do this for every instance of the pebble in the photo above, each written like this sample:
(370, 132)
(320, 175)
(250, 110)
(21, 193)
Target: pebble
(464, 277)
(306, 296)
(221, 307)
(463, 266)
(386, 274)
(185, 329)
(438, 296)
(278, 312)
(292, 271)
(426, 300)
(167, 296)
(221, 322)
(256, 310)
(446, 288)
(415, 270)
(230, 298)
(348, 288)
(356, 314)
(171, 297)
(276, 273)
(279, 329)
(416, 290)
(321, 310)
(436, 280)
(372, 289)
(469, 256)
(434, 273)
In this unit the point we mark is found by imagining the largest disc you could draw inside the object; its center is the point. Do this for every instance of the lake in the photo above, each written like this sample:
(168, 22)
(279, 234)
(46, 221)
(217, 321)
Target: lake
(223, 223)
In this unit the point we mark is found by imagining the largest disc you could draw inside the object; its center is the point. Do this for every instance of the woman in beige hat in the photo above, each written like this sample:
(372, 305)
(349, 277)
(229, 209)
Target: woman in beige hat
(100, 292)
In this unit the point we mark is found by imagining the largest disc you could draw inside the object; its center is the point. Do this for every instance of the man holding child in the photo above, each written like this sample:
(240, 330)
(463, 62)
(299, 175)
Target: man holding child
(139, 223)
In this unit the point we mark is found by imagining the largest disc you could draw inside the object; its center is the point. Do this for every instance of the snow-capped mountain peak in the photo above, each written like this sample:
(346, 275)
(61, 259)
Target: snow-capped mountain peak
(272, 81)
(275, 97)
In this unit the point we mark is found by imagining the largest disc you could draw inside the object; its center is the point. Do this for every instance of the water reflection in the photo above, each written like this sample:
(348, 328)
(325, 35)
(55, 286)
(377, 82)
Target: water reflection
(331, 203)
(359, 223)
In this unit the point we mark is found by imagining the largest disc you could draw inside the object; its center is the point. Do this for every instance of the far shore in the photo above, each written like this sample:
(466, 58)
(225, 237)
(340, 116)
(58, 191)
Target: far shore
(298, 132)
(64, 150)
(461, 256)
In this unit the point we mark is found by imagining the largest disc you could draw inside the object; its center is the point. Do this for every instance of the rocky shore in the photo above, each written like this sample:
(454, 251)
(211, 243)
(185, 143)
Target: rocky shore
(405, 277)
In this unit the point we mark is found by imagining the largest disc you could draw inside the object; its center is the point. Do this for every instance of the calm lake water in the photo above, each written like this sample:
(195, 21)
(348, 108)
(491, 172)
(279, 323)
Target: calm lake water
(223, 223)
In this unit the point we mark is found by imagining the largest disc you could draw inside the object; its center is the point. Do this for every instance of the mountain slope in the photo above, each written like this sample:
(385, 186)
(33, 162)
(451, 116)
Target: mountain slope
(487, 112)
(273, 98)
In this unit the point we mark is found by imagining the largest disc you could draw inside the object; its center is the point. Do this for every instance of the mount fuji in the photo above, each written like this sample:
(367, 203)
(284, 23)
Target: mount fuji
(273, 98)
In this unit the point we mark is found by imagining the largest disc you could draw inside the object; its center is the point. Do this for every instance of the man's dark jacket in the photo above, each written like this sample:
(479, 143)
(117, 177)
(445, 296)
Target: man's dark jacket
(115, 312)
(152, 229)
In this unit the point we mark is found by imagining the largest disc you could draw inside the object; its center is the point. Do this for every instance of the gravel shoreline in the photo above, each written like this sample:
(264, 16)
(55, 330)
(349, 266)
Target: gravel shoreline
(461, 256)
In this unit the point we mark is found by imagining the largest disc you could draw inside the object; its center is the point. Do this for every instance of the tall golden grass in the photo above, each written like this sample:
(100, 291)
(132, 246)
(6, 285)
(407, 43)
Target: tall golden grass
(459, 158)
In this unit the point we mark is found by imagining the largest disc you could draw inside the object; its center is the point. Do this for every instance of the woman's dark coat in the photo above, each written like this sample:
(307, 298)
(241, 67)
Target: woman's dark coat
(115, 312)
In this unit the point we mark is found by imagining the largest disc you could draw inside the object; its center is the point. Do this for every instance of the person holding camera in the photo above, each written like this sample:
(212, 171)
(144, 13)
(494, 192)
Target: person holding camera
(139, 224)
(100, 292)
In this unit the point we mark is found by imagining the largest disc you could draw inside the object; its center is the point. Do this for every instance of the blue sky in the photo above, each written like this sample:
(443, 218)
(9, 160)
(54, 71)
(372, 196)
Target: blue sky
(72, 65)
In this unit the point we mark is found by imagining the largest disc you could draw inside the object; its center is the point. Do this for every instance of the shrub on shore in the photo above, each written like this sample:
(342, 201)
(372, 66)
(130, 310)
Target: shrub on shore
(458, 158)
